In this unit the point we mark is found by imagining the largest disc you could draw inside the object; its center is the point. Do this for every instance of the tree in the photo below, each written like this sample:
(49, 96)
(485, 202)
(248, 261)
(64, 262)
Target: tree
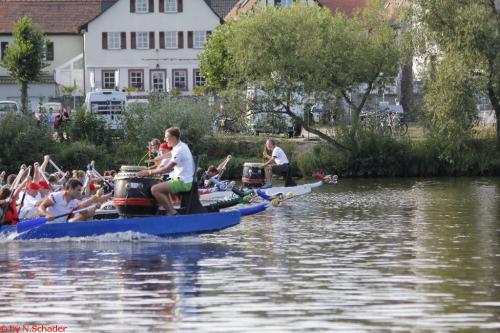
(298, 55)
(467, 29)
(25, 58)
(450, 104)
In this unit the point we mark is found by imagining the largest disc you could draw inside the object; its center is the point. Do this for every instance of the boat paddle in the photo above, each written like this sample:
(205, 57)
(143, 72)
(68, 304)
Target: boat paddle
(39, 221)
(275, 199)
(56, 167)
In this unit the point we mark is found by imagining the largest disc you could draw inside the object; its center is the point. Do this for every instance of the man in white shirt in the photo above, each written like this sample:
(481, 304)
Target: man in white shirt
(29, 202)
(67, 201)
(277, 163)
(182, 166)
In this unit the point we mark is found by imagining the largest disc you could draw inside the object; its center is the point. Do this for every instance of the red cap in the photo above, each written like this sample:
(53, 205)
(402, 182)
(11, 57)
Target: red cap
(43, 184)
(165, 146)
(33, 186)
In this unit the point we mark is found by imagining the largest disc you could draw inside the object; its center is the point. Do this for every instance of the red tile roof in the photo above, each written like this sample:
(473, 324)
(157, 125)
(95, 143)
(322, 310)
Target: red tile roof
(52, 16)
(345, 6)
(241, 7)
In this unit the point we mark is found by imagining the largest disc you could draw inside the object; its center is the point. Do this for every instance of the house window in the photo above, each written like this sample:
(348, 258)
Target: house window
(171, 6)
(180, 79)
(108, 79)
(158, 80)
(114, 41)
(3, 49)
(171, 39)
(141, 6)
(142, 40)
(199, 39)
(49, 51)
(199, 80)
(136, 79)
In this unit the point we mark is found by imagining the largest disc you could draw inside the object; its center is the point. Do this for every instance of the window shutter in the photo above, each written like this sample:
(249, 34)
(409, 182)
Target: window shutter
(162, 39)
(132, 40)
(104, 40)
(179, 6)
(151, 6)
(190, 39)
(50, 51)
(123, 40)
(151, 39)
(161, 6)
(180, 39)
(132, 6)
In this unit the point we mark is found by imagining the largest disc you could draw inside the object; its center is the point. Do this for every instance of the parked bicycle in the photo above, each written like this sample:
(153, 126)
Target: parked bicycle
(396, 123)
(387, 122)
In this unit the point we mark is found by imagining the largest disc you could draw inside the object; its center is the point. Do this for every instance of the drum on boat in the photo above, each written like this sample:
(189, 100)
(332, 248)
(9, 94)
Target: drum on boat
(133, 194)
(253, 174)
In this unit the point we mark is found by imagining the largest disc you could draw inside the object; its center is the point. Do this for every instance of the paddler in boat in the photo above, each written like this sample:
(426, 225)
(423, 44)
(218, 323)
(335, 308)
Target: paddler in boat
(277, 162)
(68, 200)
(182, 166)
(207, 176)
(8, 198)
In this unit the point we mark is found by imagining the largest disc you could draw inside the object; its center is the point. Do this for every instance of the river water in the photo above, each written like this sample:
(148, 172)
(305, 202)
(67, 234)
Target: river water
(371, 255)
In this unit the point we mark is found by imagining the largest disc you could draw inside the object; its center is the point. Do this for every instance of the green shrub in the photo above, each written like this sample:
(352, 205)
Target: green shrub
(23, 141)
(76, 155)
(85, 126)
(193, 116)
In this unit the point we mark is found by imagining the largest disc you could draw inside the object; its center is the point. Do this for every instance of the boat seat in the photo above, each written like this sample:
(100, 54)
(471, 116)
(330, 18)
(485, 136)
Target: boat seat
(190, 201)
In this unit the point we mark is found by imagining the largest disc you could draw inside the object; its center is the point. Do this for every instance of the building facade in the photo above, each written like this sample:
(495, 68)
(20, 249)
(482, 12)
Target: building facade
(59, 20)
(145, 46)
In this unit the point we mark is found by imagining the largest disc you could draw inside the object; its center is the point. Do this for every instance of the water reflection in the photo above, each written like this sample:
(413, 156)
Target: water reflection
(106, 286)
(362, 255)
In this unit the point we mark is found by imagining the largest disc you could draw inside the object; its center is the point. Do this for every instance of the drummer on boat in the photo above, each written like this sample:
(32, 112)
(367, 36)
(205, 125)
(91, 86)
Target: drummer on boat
(182, 166)
(277, 162)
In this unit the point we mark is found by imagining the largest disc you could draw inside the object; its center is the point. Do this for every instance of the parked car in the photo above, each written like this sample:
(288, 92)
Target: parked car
(137, 103)
(9, 106)
(55, 106)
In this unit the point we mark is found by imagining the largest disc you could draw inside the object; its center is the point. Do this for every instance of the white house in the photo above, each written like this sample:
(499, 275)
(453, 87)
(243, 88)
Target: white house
(149, 45)
(60, 21)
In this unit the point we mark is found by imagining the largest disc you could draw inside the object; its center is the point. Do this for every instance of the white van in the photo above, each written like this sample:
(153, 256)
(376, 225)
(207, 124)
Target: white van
(108, 106)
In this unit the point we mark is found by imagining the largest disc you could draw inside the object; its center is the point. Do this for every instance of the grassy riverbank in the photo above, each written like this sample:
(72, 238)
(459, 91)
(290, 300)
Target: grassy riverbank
(369, 154)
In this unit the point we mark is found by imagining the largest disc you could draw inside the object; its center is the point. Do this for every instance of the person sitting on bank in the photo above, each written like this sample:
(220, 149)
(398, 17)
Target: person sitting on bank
(277, 162)
(64, 202)
(181, 163)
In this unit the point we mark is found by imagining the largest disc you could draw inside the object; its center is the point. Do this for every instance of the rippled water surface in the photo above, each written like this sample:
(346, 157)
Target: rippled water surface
(359, 256)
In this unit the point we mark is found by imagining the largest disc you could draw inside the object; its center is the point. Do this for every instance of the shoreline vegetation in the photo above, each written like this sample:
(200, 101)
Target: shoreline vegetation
(371, 154)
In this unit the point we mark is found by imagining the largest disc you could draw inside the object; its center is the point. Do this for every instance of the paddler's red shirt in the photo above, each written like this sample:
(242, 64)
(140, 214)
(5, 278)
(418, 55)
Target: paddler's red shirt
(11, 215)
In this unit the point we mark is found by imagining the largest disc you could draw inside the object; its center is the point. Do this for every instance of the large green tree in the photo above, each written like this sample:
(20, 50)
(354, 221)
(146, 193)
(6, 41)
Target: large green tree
(288, 57)
(466, 29)
(25, 58)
